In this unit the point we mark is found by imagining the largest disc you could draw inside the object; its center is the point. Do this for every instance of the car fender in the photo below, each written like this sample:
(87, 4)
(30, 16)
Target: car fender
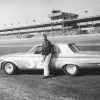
(9, 59)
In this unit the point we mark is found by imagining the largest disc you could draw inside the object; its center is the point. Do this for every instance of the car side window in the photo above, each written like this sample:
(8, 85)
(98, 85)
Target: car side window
(38, 50)
(56, 51)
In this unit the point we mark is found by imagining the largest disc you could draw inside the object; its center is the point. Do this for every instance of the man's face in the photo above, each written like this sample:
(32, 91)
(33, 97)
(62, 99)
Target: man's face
(44, 37)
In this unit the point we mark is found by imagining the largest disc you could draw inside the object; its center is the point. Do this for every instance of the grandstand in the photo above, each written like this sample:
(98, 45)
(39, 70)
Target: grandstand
(67, 24)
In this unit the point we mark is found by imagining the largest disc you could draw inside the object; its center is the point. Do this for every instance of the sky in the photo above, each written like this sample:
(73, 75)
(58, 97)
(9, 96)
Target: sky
(15, 13)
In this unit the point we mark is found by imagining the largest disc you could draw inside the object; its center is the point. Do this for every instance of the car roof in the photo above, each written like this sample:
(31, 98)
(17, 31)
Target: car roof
(62, 47)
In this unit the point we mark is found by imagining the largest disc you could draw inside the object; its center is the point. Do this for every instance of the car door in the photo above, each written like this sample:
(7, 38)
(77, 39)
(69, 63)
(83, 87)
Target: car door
(35, 58)
(32, 60)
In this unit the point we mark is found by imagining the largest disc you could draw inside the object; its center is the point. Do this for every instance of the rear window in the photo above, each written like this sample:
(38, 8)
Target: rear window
(93, 48)
(74, 47)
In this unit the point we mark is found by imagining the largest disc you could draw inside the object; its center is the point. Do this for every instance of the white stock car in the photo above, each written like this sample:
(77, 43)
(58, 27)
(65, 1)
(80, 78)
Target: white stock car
(67, 57)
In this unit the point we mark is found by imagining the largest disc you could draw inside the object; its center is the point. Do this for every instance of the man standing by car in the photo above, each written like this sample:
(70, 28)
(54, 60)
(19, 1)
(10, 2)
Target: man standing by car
(47, 50)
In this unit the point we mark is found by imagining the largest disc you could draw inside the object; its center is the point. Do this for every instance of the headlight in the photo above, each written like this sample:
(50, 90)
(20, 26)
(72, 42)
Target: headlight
(1, 60)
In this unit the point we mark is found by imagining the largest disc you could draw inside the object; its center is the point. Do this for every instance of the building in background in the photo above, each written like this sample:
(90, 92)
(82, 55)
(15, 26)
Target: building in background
(60, 16)
(57, 15)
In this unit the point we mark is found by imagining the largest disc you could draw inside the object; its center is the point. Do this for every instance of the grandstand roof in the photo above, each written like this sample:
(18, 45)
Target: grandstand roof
(55, 15)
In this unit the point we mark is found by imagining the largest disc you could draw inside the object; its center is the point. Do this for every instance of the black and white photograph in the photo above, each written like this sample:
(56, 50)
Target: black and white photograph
(49, 49)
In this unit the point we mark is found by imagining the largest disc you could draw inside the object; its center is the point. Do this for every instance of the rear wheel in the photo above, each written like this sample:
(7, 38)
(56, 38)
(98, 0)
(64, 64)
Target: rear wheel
(71, 69)
(9, 68)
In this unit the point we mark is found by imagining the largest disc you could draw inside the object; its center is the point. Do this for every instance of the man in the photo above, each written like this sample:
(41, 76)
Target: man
(47, 50)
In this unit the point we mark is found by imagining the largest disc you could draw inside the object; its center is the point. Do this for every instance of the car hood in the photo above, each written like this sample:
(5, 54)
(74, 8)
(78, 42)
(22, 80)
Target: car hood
(12, 55)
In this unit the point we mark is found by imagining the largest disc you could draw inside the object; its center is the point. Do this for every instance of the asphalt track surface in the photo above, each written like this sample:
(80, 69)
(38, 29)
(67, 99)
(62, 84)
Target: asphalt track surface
(29, 85)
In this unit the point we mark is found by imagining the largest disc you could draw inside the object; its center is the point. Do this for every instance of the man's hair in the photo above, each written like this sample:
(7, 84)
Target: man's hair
(45, 36)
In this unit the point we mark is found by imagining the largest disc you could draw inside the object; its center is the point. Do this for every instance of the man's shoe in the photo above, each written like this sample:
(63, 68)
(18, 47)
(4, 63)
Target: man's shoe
(46, 77)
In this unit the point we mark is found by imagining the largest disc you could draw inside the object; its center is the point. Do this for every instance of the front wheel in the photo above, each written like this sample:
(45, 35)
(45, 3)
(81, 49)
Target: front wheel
(71, 69)
(9, 68)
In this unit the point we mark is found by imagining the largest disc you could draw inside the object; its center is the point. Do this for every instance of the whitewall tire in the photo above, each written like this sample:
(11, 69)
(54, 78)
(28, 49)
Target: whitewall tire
(9, 68)
(71, 69)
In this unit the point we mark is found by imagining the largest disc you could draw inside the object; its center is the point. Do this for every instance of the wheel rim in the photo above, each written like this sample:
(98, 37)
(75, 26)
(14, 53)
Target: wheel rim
(71, 69)
(9, 68)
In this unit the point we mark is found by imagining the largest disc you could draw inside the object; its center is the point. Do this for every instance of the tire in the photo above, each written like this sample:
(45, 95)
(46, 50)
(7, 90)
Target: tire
(9, 68)
(71, 69)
